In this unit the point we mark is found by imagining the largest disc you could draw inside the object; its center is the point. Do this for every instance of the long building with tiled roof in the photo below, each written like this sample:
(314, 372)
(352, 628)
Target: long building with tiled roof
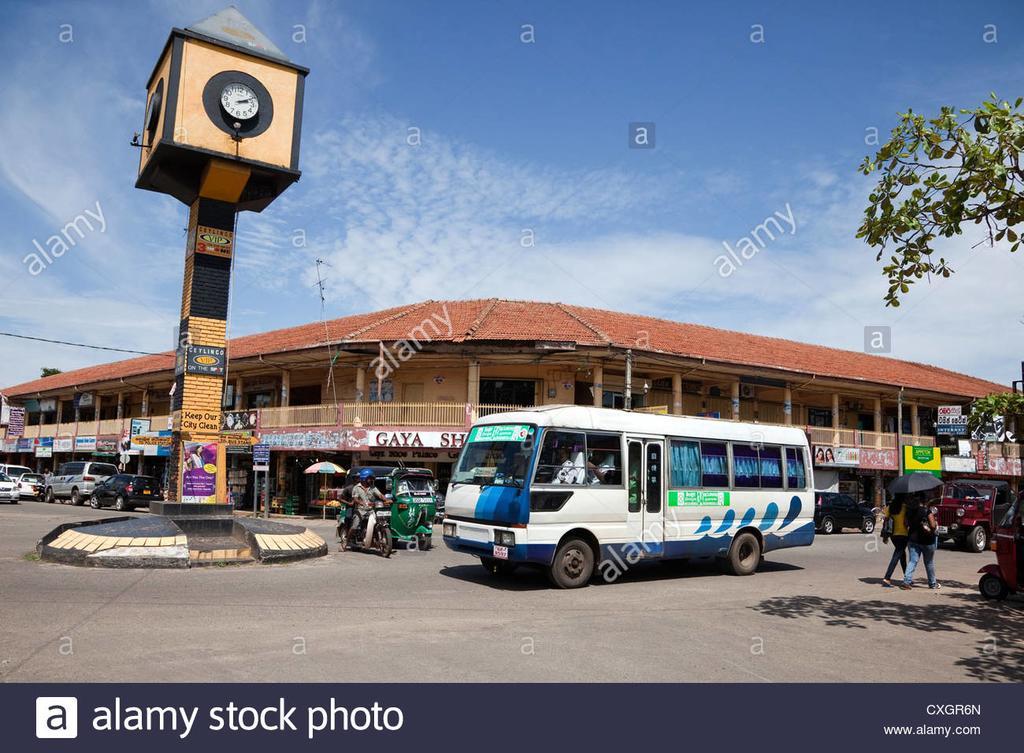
(404, 384)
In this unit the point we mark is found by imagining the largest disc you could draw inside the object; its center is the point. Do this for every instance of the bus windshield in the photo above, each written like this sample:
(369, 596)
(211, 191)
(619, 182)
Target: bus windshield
(496, 454)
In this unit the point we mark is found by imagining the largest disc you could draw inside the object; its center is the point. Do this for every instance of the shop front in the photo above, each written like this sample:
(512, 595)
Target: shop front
(437, 451)
(292, 451)
(858, 471)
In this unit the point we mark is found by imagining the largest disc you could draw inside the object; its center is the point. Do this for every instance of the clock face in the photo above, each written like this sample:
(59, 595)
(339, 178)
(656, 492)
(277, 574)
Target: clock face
(239, 101)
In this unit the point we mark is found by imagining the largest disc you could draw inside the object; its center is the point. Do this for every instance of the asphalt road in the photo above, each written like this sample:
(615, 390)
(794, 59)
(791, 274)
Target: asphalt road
(811, 614)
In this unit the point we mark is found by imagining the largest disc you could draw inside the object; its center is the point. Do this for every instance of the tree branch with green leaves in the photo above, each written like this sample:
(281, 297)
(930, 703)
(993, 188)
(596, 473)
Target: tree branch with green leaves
(937, 175)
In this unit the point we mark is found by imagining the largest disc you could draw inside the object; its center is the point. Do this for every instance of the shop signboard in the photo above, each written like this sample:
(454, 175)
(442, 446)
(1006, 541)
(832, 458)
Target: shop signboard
(878, 460)
(261, 457)
(955, 464)
(410, 438)
(919, 458)
(990, 431)
(138, 426)
(16, 422)
(836, 457)
(11, 445)
(154, 444)
(205, 359)
(44, 447)
(240, 420)
(199, 475)
(951, 421)
(26, 445)
(345, 439)
(64, 444)
(5, 411)
(85, 444)
(106, 446)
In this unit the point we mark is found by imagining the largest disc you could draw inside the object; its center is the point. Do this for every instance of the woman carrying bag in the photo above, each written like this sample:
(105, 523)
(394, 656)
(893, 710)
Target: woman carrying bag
(921, 528)
(894, 528)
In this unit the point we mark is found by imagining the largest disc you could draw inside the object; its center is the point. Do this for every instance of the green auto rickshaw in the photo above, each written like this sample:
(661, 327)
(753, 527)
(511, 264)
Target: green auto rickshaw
(413, 496)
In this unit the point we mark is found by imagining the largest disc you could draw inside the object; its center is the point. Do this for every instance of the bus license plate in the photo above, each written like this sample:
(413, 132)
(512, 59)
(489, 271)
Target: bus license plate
(500, 552)
(146, 491)
(942, 529)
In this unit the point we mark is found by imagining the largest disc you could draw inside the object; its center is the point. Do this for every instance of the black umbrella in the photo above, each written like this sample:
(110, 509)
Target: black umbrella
(918, 481)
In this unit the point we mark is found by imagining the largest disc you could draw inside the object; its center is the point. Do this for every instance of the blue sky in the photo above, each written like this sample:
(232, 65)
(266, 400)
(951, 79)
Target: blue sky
(516, 138)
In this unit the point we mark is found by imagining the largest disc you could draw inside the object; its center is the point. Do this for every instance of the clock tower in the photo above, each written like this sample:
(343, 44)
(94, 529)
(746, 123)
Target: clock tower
(221, 134)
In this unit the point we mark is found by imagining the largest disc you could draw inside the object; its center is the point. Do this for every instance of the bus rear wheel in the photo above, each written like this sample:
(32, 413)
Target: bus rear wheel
(744, 555)
(573, 565)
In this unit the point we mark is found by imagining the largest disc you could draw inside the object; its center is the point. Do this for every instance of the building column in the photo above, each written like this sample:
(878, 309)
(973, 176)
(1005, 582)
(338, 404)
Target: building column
(677, 394)
(915, 420)
(145, 403)
(878, 422)
(286, 388)
(736, 401)
(473, 387)
(835, 419)
(238, 393)
(360, 384)
(60, 413)
(598, 386)
(97, 403)
(787, 406)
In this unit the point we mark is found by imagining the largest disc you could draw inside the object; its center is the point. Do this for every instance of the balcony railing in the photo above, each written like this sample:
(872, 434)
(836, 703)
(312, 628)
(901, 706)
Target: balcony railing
(404, 414)
(299, 415)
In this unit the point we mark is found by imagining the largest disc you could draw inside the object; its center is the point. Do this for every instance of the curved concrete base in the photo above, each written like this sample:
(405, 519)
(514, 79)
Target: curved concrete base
(182, 542)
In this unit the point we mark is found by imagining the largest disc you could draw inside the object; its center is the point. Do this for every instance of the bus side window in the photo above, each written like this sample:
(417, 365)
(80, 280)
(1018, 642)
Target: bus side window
(795, 474)
(636, 463)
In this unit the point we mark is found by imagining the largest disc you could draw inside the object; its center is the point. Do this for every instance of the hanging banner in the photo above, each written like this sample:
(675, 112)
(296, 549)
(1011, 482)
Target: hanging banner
(5, 411)
(917, 458)
(16, 422)
(199, 477)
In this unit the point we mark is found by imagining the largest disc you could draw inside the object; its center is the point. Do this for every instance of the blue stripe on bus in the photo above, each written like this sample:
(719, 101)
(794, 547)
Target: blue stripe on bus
(630, 551)
(503, 504)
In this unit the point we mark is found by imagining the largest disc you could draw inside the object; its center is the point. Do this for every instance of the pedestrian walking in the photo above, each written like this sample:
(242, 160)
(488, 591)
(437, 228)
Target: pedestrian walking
(921, 539)
(894, 529)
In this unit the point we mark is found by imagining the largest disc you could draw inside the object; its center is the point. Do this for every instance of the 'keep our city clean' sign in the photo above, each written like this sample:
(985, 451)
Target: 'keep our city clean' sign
(917, 458)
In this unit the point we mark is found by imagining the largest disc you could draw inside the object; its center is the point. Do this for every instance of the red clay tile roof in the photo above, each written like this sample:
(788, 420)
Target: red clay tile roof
(497, 320)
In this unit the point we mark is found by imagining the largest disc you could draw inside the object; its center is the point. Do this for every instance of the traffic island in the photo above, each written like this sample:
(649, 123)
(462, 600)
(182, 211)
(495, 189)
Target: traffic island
(159, 542)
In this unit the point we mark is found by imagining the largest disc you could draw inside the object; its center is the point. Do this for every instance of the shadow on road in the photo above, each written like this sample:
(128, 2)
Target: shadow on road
(998, 655)
(534, 578)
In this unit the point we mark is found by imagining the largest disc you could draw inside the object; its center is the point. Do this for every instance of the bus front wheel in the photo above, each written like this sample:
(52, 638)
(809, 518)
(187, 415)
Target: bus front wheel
(744, 554)
(573, 565)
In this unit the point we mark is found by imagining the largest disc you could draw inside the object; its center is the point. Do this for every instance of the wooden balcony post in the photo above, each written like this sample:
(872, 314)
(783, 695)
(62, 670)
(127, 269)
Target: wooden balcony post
(360, 384)
(97, 403)
(787, 406)
(598, 386)
(835, 418)
(473, 387)
(238, 393)
(286, 388)
(677, 394)
(878, 422)
(915, 421)
(736, 401)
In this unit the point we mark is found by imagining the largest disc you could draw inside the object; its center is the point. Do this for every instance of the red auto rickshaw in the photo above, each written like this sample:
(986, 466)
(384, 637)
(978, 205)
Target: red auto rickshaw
(1004, 578)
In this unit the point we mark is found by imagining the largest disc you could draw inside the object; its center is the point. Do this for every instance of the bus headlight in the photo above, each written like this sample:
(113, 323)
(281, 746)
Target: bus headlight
(449, 529)
(960, 512)
(505, 538)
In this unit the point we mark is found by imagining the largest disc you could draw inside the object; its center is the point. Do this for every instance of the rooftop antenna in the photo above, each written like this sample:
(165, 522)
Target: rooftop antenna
(321, 282)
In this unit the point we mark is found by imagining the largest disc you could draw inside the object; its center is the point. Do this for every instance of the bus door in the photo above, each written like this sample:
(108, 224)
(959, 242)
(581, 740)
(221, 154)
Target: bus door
(645, 493)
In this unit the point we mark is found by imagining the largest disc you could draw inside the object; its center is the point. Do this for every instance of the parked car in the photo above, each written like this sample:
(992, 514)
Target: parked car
(969, 510)
(75, 480)
(833, 512)
(8, 489)
(31, 485)
(14, 471)
(125, 491)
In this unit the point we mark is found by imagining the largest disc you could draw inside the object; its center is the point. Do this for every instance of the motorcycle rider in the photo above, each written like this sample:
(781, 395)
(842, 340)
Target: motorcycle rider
(366, 497)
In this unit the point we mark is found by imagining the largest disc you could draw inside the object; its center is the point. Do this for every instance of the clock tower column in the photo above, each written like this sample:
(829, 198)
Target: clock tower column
(221, 134)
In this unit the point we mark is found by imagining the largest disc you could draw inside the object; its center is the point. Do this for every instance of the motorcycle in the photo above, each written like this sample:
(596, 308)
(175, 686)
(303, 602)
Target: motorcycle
(351, 531)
